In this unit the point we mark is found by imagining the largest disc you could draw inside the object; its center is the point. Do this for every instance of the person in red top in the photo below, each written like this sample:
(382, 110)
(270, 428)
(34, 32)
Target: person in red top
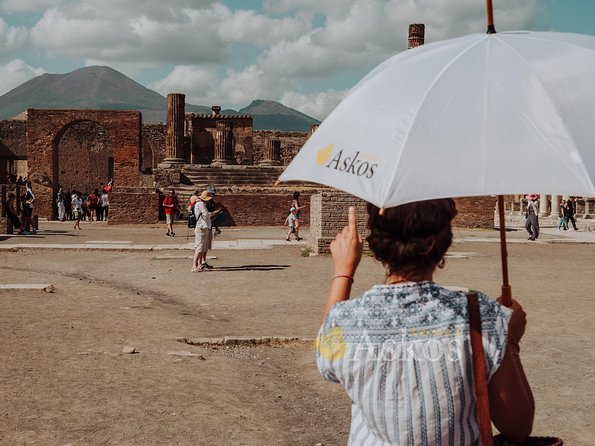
(169, 205)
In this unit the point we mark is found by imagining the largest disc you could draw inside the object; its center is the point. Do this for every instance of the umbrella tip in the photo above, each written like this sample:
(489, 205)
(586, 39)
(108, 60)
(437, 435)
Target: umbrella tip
(381, 212)
(491, 29)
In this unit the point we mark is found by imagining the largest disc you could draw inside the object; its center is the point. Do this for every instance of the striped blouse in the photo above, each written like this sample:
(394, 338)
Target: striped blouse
(403, 354)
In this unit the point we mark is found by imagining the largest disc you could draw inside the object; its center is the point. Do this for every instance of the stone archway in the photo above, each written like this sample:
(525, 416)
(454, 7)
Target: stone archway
(84, 154)
(148, 161)
(45, 129)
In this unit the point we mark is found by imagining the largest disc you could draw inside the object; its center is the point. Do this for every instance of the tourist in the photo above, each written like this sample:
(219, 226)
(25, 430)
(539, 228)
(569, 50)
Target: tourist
(402, 349)
(94, 198)
(60, 204)
(202, 233)
(216, 210)
(12, 213)
(104, 204)
(291, 221)
(30, 200)
(532, 217)
(563, 222)
(571, 212)
(85, 197)
(295, 203)
(170, 209)
(109, 186)
(20, 181)
(193, 199)
(90, 207)
(26, 214)
(77, 208)
(68, 205)
(12, 178)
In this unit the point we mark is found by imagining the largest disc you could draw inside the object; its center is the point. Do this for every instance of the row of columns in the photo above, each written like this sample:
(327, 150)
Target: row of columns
(174, 144)
(549, 205)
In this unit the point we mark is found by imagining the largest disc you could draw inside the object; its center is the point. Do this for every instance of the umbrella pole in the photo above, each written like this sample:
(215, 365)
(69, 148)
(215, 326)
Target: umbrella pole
(506, 293)
(490, 13)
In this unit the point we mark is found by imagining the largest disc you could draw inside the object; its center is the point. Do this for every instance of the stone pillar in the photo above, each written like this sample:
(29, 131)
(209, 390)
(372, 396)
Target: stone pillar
(272, 153)
(174, 143)
(543, 205)
(417, 33)
(588, 208)
(223, 144)
(555, 206)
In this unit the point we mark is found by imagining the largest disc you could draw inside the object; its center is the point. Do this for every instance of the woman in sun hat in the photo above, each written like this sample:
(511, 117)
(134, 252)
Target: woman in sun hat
(532, 217)
(202, 232)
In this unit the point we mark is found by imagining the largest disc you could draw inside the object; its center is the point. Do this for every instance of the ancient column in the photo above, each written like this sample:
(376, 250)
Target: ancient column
(588, 208)
(555, 206)
(174, 143)
(223, 143)
(416, 35)
(272, 153)
(543, 205)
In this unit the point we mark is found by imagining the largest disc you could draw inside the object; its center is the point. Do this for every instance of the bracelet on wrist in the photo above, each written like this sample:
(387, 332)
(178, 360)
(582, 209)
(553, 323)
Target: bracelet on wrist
(344, 276)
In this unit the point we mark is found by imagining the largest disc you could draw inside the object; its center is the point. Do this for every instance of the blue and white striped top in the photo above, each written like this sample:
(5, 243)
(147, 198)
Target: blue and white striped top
(403, 354)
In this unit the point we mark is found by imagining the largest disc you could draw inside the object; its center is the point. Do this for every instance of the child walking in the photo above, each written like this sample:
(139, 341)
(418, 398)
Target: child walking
(291, 220)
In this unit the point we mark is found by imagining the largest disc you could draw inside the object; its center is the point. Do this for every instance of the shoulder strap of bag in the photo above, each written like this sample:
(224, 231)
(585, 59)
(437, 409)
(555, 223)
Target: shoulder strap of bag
(482, 402)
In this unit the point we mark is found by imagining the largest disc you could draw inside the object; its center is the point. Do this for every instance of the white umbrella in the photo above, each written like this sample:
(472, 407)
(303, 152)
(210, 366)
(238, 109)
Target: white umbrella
(483, 114)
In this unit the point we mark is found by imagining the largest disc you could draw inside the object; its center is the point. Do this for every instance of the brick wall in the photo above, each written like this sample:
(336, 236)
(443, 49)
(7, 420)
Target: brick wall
(257, 209)
(13, 148)
(329, 216)
(84, 151)
(133, 205)
(45, 129)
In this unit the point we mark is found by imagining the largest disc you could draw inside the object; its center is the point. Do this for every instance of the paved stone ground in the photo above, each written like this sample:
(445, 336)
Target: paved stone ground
(65, 377)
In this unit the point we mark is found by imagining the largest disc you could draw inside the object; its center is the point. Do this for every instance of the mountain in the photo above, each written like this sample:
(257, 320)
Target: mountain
(271, 115)
(104, 88)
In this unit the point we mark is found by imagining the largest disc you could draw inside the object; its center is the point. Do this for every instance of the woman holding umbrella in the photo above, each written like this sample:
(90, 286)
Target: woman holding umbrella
(402, 349)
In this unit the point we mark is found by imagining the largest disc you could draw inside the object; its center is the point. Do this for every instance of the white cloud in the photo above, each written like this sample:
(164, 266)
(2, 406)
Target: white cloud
(131, 35)
(219, 55)
(250, 27)
(11, 38)
(318, 105)
(14, 73)
(199, 84)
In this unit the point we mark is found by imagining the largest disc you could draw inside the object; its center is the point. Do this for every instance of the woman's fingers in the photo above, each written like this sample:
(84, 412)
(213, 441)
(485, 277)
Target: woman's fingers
(352, 220)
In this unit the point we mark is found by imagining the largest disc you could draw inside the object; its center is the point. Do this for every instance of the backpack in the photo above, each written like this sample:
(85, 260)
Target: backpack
(191, 218)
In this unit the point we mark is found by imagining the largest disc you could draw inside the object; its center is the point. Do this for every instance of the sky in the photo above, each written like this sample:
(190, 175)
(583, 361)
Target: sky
(305, 54)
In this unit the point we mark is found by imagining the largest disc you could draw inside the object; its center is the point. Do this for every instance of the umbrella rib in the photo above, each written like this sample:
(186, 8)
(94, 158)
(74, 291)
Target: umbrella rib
(421, 102)
(547, 94)
(532, 36)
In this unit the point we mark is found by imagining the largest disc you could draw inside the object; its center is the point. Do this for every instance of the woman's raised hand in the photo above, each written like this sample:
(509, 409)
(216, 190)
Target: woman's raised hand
(347, 247)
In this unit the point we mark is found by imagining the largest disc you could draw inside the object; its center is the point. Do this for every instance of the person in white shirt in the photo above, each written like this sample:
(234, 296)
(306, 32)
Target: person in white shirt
(202, 232)
(77, 209)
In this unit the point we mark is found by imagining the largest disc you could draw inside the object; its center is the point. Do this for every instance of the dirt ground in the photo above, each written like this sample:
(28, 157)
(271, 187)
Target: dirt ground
(65, 381)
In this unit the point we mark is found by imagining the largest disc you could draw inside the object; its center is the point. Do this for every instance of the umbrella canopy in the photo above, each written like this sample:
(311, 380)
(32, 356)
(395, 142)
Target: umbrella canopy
(482, 114)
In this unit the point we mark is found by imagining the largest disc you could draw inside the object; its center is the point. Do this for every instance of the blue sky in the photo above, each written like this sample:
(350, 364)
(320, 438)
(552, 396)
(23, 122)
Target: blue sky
(303, 53)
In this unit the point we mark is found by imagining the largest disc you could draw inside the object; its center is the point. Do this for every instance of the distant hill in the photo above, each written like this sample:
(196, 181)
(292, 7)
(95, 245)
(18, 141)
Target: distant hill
(269, 115)
(104, 88)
